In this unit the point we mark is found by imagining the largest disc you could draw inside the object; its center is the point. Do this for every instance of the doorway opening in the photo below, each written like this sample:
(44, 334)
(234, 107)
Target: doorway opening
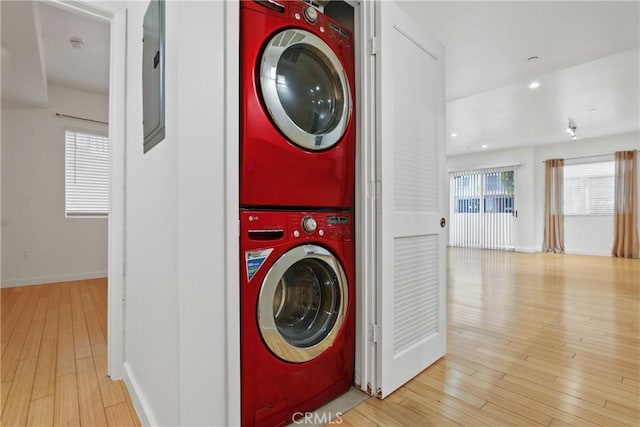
(63, 59)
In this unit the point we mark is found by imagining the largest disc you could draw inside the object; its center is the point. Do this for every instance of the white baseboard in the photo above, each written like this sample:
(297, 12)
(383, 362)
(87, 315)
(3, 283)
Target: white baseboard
(569, 252)
(10, 283)
(527, 250)
(590, 253)
(139, 402)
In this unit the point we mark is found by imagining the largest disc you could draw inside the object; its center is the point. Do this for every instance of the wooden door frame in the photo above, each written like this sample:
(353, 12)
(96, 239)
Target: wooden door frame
(117, 204)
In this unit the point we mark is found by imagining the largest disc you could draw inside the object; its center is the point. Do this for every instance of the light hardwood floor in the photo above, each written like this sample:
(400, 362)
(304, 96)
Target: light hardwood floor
(54, 358)
(534, 339)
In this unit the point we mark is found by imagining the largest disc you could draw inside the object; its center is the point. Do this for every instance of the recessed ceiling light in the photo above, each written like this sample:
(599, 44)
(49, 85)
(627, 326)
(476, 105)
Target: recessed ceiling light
(76, 42)
(484, 146)
(571, 129)
(453, 135)
(534, 84)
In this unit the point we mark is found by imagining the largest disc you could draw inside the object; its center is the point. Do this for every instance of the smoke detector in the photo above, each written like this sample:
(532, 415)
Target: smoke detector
(76, 43)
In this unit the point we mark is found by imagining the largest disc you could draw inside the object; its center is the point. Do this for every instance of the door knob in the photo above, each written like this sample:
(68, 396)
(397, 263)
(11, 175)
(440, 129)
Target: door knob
(443, 222)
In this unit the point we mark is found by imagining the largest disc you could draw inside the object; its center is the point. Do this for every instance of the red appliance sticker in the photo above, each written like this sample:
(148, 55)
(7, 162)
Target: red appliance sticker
(254, 260)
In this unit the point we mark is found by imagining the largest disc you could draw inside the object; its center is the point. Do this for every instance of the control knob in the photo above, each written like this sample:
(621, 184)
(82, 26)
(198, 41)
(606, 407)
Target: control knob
(311, 15)
(309, 224)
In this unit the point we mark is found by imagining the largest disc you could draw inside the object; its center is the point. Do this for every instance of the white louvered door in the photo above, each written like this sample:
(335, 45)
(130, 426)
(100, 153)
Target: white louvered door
(410, 169)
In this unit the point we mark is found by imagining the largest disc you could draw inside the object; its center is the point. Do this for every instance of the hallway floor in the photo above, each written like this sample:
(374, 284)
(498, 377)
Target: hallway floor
(54, 358)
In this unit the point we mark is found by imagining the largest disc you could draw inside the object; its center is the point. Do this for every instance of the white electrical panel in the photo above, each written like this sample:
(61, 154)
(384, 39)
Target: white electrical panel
(153, 75)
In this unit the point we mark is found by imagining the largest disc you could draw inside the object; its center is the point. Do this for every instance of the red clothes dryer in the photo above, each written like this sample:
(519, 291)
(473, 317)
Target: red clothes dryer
(297, 316)
(297, 113)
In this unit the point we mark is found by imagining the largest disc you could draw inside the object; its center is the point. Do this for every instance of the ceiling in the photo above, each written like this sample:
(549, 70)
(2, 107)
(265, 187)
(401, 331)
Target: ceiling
(86, 68)
(36, 50)
(587, 66)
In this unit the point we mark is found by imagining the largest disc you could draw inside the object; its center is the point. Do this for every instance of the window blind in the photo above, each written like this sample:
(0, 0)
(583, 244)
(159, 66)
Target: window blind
(589, 188)
(482, 210)
(86, 174)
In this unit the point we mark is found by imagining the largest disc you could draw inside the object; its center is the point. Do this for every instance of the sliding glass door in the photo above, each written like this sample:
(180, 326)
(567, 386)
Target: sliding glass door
(483, 208)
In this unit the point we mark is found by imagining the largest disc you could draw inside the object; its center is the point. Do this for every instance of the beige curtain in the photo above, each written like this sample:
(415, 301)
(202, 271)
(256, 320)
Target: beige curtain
(625, 216)
(553, 213)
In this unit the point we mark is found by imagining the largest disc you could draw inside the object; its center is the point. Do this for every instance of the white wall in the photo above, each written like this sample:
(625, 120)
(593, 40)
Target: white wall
(585, 235)
(176, 279)
(33, 213)
(151, 281)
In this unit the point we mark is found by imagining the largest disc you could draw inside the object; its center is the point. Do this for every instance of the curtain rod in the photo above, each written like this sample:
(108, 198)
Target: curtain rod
(80, 118)
(589, 157)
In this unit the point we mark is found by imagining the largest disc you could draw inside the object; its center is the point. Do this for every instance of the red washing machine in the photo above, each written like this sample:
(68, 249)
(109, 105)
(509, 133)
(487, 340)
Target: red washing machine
(297, 312)
(297, 113)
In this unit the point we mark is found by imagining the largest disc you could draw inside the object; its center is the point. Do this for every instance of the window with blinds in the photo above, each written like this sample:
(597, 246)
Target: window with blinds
(483, 208)
(589, 188)
(86, 174)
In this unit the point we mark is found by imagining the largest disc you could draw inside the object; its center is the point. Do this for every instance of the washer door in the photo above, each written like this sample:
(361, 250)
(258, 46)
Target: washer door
(305, 89)
(302, 303)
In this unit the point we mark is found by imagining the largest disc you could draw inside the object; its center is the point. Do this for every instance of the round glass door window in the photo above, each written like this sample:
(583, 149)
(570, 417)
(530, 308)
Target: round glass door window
(302, 303)
(305, 89)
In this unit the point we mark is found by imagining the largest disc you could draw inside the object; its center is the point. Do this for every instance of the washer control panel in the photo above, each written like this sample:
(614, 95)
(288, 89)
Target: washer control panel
(326, 225)
(263, 227)
(302, 12)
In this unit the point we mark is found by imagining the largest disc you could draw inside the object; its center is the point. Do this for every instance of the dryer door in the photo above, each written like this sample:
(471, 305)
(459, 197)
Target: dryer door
(302, 303)
(305, 89)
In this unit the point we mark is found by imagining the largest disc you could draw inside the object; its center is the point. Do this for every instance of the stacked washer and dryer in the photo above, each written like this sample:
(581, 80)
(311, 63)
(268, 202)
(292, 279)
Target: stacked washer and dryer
(296, 210)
